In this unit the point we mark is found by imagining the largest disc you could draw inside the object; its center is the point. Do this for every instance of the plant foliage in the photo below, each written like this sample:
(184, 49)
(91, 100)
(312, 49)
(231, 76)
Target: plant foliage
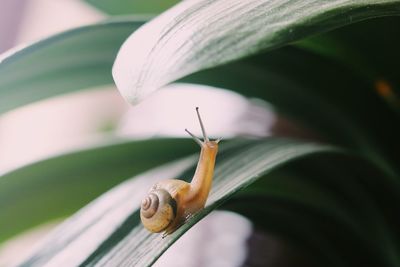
(337, 202)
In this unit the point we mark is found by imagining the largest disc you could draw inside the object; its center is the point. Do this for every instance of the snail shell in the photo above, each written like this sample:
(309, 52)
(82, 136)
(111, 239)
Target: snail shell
(170, 202)
(158, 210)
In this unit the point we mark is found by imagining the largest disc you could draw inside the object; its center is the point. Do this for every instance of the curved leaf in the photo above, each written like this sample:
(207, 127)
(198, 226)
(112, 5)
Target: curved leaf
(196, 35)
(56, 187)
(67, 62)
(339, 126)
(129, 7)
(302, 86)
(115, 237)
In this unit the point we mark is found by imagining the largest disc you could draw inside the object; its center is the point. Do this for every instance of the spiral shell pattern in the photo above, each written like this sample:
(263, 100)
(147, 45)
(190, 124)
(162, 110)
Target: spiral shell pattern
(150, 205)
(158, 210)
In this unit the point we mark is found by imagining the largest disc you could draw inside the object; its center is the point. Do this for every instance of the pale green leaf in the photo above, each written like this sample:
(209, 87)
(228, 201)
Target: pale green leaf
(200, 34)
(67, 62)
(108, 232)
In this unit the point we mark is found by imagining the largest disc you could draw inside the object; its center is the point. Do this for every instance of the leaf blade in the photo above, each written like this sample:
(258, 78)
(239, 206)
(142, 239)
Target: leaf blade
(70, 61)
(183, 40)
(43, 190)
(129, 229)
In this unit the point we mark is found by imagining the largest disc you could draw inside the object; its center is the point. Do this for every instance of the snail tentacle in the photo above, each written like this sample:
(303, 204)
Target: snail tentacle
(171, 202)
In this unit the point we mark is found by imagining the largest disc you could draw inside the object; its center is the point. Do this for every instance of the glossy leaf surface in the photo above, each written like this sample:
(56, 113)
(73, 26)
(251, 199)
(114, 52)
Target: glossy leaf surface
(196, 35)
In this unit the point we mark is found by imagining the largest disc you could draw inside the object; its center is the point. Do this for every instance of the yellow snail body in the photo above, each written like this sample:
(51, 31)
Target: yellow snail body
(170, 202)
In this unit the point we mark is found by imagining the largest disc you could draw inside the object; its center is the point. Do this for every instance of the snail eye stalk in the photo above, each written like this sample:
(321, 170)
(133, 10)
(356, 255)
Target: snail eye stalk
(171, 202)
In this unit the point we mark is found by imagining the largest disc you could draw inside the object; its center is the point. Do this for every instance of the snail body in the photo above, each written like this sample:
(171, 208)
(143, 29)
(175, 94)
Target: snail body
(171, 201)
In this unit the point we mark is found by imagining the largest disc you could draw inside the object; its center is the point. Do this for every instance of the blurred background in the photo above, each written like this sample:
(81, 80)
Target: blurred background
(343, 218)
(55, 126)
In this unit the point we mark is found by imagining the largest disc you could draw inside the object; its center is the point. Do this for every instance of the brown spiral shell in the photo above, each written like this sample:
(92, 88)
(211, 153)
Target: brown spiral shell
(149, 205)
(158, 210)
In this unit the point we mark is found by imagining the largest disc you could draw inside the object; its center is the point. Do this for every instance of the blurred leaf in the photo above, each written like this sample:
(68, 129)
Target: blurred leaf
(115, 237)
(182, 42)
(330, 111)
(70, 61)
(129, 7)
(323, 95)
(56, 187)
(196, 35)
(366, 49)
(339, 210)
(346, 213)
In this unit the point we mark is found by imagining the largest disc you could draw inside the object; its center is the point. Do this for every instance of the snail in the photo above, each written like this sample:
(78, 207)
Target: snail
(170, 202)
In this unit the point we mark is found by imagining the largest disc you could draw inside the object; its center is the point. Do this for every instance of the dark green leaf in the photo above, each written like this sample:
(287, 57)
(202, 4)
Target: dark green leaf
(367, 49)
(337, 208)
(323, 95)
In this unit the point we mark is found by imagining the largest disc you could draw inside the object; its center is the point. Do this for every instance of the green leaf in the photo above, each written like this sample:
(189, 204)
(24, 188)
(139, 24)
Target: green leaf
(115, 237)
(367, 49)
(129, 7)
(56, 187)
(357, 200)
(301, 85)
(70, 61)
(195, 35)
(313, 90)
